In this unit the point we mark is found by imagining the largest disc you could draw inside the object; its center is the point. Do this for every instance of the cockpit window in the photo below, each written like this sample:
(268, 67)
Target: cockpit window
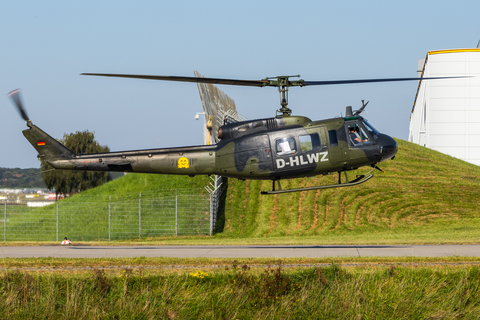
(286, 146)
(371, 129)
(357, 135)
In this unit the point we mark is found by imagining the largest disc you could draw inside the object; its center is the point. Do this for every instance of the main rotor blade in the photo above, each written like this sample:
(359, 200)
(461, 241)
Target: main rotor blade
(15, 95)
(323, 83)
(251, 83)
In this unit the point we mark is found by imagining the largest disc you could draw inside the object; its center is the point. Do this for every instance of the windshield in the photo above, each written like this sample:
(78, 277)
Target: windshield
(374, 132)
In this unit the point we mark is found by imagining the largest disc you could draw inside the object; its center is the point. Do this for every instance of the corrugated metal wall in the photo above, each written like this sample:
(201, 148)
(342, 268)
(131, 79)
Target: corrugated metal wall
(446, 113)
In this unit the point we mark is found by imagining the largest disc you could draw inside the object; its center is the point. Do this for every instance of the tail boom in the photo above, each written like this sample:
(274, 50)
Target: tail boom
(182, 161)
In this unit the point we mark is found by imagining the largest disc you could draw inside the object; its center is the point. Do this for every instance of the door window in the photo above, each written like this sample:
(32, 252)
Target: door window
(332, 135)
(285, 146)
(309, 142)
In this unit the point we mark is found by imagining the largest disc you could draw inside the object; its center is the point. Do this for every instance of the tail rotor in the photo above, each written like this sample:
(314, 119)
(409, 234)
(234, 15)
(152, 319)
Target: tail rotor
(15, 96)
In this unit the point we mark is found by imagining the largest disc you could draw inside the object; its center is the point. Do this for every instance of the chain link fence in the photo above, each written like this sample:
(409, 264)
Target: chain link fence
(126, 216)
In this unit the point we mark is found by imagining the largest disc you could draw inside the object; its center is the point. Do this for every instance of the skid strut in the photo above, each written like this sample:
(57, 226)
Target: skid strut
(360, 179)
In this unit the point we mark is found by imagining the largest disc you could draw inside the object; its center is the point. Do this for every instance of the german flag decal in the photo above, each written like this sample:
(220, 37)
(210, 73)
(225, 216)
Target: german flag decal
(40, 143)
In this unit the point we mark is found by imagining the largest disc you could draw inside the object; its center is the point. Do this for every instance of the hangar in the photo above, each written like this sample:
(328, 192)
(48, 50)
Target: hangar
(446, 113)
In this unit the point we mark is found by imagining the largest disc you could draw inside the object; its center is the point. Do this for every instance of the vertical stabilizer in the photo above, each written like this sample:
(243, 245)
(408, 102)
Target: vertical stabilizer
(47, 147)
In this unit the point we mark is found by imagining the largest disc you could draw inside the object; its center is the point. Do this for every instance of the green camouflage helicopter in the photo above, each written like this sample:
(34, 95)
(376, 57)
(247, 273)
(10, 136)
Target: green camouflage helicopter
(281, 147)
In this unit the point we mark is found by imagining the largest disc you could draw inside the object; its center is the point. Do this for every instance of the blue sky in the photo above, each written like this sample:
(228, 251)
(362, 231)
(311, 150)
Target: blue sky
(45, 45)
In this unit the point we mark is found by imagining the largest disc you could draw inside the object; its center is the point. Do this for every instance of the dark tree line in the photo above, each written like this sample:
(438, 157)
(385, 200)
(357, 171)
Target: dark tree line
(20, 178)
(70, 181)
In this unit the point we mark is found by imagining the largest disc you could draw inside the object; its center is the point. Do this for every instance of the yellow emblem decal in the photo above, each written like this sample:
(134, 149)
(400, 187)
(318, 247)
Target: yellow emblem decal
(183, 162)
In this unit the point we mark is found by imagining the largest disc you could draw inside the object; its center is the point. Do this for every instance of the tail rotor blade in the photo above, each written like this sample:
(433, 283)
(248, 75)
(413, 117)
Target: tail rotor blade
(15, 95)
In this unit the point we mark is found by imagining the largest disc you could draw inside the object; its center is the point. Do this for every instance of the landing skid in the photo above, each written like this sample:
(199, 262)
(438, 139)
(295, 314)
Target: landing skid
(358, 180)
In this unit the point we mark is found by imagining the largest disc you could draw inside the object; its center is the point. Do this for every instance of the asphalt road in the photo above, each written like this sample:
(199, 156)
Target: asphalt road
(265, 251)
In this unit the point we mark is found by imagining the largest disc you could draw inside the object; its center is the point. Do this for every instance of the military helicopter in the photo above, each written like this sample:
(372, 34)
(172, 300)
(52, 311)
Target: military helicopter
(281, 147)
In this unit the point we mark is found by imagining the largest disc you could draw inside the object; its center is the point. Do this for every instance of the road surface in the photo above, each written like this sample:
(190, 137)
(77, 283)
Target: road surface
(254, 251)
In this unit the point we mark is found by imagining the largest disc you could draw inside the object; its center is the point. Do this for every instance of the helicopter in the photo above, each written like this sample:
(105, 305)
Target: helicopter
(282, 147)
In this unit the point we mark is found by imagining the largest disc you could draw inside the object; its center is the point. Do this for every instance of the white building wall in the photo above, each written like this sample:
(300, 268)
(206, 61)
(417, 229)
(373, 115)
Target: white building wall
(446, 113)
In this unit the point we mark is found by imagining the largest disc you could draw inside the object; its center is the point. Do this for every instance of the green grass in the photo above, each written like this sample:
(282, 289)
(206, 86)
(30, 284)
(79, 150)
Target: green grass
(133, 183)
(49, 264)
(241, 292)
(85, 216)
(424, 197)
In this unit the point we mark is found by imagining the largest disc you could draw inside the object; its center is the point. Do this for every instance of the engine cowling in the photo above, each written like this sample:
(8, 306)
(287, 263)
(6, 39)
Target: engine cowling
(238, 129)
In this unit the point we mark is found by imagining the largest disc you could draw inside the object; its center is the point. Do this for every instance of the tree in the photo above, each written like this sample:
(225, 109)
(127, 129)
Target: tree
(7, 175)
(71, 181)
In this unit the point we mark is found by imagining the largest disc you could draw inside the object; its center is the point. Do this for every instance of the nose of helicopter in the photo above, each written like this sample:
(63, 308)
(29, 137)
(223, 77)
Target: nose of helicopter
(388, 147)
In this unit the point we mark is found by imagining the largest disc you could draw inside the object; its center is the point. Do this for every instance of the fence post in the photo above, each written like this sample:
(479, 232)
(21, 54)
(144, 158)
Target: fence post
(211, 214)
(176, 214)
(57, 219)
(215, 191)
(5, 223)
(109, 217)
(140, 216)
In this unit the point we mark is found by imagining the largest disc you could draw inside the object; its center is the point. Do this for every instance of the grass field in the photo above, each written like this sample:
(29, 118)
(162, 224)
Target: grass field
(54, 264)
(239, 290)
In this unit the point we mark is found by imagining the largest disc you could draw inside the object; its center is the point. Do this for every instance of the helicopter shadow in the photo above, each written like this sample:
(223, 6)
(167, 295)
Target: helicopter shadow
(220, 221)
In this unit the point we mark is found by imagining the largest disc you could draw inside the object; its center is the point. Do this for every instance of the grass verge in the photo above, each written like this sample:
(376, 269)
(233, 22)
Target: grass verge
(241, 292)
(58, 263)
(449, 234)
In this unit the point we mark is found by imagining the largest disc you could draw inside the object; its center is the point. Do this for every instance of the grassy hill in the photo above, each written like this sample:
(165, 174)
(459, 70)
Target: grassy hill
(134, 183)
(423, 196)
